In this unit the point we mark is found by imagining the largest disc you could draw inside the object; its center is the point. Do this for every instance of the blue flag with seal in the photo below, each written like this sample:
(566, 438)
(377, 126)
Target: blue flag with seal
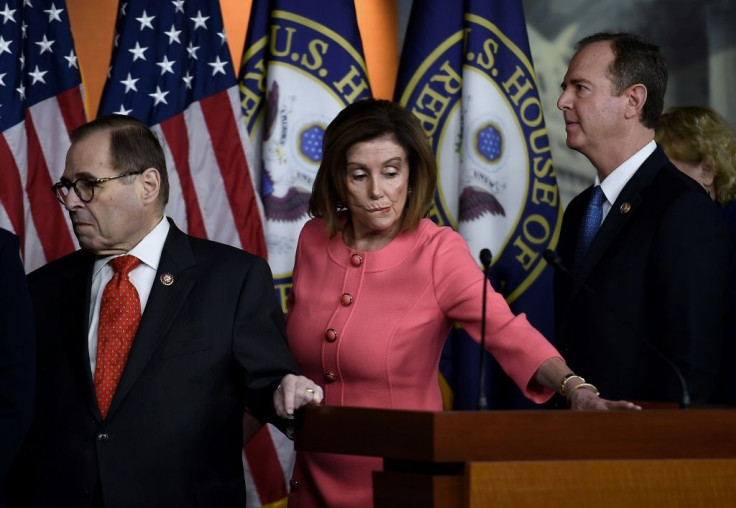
(301, 66)
(466, 73)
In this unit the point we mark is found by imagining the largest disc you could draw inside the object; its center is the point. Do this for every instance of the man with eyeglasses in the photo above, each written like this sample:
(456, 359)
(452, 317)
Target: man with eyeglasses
(150, 344)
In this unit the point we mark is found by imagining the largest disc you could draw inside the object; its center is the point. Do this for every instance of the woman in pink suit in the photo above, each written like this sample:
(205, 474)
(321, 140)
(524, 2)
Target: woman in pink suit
(377, 288)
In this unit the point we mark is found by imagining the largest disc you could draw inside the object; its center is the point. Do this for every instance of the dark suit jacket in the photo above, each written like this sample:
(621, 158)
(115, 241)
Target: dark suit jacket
(16, 354)
(656, 274)
(207, 344)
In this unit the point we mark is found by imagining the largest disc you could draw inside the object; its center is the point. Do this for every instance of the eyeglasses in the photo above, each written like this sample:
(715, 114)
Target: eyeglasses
(84, 188)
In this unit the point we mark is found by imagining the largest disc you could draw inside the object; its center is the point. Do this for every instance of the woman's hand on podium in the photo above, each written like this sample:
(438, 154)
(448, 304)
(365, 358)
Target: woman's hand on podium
(585, 399)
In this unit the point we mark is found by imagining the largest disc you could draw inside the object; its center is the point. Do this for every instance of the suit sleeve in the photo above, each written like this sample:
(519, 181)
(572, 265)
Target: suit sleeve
(260, 344)
(691, 279)
(17, 364)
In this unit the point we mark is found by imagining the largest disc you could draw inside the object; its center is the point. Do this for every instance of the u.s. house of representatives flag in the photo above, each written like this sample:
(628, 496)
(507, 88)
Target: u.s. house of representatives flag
(302, 63)
(171, 68)
(466, 73)
(40, 102)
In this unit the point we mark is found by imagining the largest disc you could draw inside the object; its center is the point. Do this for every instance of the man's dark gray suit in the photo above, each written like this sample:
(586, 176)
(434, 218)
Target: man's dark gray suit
(16, 355)
(208, 344)
(656, 273)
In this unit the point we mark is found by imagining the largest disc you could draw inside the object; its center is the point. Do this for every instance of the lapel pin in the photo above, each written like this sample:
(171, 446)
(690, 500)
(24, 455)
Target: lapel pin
(166, 279)
(625, 208)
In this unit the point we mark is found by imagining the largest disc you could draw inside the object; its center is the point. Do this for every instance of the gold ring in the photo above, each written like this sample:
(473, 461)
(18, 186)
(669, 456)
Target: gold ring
(310, 390)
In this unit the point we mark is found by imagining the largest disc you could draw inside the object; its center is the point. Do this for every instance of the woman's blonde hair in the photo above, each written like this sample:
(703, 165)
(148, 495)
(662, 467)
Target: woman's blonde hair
(697, 134)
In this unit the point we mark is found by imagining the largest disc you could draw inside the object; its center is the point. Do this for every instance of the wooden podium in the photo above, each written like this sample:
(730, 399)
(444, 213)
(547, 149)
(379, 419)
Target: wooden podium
(535, 458)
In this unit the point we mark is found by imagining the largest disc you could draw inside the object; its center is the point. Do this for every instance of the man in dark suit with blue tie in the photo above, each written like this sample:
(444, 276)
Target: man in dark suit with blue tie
(16, 354)
(151, 344)
(647, 251)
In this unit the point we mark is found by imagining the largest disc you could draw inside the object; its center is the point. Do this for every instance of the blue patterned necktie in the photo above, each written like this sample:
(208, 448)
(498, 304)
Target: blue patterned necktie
(591, 221)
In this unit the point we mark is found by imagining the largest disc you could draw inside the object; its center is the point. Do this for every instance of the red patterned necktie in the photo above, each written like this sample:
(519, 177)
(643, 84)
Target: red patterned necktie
(120, 314)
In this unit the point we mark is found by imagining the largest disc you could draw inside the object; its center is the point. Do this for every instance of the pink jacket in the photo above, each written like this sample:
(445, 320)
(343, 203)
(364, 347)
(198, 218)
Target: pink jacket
(369, 328)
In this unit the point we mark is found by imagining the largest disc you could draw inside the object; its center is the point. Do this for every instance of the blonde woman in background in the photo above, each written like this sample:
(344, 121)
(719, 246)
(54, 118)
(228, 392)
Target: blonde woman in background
(702, 144)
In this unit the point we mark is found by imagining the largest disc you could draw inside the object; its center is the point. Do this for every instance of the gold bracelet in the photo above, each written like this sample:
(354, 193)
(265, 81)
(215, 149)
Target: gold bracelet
(567, 378)
(581, 385)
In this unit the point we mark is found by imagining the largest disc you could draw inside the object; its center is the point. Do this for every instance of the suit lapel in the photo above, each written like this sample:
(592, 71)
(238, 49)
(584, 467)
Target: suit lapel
(77, 286)
(626, 207)
(164, 304)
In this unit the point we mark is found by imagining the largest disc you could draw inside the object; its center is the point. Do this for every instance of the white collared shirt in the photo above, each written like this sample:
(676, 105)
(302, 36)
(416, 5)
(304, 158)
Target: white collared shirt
(619, 177)
(148, 251)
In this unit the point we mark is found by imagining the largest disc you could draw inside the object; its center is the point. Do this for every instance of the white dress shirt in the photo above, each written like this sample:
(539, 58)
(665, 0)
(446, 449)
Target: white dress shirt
(142, 276)
(619, 177)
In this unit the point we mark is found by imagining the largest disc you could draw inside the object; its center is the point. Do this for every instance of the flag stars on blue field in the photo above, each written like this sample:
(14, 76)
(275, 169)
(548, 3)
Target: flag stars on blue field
(158, 66)
(187, 79)
(54, 13)
(72, 59)
(36, 33)
(129, 83)
(311, 142)
(166, 65)
(145, 21)
(45, 45)
(37, 75)
(200, 21)
(159, 96)
(123, 111)
(490, 142)
(192, 50)
(7, 14)
(218, 66)
(5, 46)
(138, 51)
(173, 34)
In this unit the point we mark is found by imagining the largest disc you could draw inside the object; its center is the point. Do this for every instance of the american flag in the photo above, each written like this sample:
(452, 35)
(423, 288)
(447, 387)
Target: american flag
(40, 103)
(171, 68)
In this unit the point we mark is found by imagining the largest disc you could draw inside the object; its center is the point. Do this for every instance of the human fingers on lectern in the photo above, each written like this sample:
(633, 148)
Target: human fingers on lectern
(588, 400)
(295, 392)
